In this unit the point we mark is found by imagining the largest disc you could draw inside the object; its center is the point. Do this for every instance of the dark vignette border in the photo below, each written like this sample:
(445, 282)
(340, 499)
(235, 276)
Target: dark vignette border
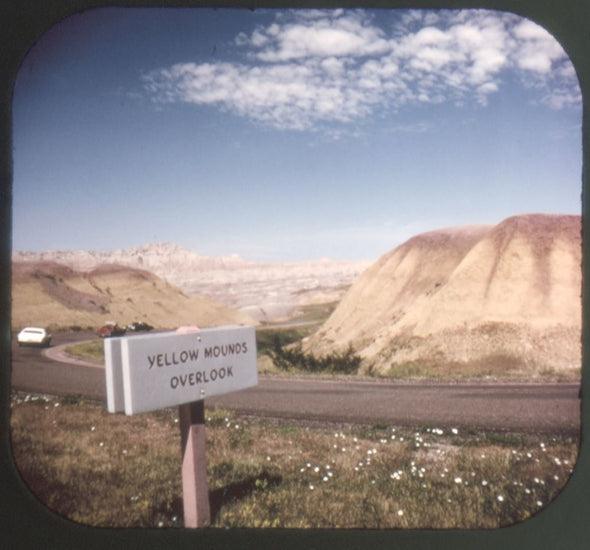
(26, 524)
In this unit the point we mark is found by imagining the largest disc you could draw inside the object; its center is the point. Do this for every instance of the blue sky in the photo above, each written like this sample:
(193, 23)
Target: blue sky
(288, 135)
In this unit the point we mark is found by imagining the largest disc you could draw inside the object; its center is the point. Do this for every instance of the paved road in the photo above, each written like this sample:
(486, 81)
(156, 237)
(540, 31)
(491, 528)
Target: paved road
(529, 407)
(33, 371)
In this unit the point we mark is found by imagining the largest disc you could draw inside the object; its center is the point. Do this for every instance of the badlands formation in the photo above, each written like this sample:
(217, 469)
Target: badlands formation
(264, 291)
(54, 295)
(486, 298)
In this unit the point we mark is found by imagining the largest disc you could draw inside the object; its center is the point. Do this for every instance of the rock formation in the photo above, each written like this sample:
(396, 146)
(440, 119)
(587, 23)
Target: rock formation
(470, 299)
(268, 291)
(54, 295)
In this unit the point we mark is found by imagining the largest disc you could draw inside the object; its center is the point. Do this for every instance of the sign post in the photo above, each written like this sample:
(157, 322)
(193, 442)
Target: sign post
(149, 372)
(195, 492)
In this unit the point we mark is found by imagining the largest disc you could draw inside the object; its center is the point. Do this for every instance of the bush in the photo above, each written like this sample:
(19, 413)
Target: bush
(294, 358)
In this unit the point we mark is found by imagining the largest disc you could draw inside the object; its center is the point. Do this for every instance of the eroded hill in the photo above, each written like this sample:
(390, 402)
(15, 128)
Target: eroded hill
(53, 295)
(268, 291)
(475, 299)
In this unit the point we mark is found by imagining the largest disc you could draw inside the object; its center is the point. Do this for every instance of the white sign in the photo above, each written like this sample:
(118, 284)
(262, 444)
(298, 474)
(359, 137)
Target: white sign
(149, 372)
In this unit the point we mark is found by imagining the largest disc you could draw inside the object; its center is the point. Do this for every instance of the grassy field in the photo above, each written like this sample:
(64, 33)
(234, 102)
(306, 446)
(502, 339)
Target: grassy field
(111, 470)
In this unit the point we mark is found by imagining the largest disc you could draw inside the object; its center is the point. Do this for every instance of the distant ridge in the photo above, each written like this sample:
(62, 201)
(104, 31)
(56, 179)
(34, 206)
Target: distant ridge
(497, 297)
(267, 291)
(155, 257)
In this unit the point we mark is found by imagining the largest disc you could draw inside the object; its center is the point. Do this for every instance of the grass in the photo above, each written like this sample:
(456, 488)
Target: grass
(267, 338)
(116, 471)
(93, 350)
(315, 313)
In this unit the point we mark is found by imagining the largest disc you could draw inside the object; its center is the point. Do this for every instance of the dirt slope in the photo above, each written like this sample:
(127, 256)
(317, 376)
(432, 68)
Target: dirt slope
(53, 295)
(487, 298)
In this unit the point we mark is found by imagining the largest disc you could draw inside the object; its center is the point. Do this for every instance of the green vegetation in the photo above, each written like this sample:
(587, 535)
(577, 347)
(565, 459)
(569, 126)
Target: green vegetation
(315, 313)
(280, 351)
(268, 338)
(294, 359)
(111, 470)
(283, 347)
(92, 350)
(410, 370)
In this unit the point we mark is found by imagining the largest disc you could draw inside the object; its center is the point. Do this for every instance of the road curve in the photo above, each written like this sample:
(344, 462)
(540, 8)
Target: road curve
(530, 407)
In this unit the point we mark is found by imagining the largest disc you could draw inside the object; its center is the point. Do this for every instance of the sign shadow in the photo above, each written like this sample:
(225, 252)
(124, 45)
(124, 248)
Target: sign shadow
(240, 490)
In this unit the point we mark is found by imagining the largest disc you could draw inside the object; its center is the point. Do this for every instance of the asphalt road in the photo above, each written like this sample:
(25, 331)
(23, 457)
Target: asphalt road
(550, 408)
(33, 371)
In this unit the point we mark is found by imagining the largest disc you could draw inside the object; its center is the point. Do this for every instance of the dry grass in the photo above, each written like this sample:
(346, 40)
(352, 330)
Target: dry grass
(111, 470)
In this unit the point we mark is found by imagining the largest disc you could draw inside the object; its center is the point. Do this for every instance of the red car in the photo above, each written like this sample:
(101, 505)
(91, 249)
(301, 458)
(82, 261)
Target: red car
(110, 329)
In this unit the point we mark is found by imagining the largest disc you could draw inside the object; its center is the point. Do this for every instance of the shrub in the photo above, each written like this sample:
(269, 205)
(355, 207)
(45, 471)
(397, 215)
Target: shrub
(294, 358)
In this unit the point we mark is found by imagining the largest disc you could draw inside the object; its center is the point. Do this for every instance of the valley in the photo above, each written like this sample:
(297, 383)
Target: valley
(468, 301)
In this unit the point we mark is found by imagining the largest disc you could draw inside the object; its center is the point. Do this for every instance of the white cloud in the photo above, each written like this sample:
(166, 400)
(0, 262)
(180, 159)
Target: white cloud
(320, 36)
(561, 98)
(416, 128)
(311, 69)
(527, 30)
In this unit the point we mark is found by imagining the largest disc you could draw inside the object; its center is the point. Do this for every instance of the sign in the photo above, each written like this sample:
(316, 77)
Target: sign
(149, 372)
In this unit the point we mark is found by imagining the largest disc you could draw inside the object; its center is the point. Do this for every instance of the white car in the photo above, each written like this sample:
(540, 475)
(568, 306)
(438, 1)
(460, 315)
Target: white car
(33, 336)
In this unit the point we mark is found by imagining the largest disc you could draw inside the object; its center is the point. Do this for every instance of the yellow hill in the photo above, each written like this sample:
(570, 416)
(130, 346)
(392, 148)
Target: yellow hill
(478, 298)
(52, 295)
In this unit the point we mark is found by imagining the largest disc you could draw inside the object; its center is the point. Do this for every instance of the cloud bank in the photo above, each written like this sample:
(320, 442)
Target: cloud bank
(309, 70)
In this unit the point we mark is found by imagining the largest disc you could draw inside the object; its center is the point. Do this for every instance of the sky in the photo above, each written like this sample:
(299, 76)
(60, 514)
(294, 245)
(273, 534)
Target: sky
(288, 135)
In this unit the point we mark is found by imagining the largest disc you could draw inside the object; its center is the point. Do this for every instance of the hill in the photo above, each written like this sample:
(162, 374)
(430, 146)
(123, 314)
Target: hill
(54, 295)
(268, 291)
(470, 299)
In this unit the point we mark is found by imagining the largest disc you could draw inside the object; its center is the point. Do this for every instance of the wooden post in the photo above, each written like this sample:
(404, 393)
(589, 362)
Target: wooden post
(195, 491)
